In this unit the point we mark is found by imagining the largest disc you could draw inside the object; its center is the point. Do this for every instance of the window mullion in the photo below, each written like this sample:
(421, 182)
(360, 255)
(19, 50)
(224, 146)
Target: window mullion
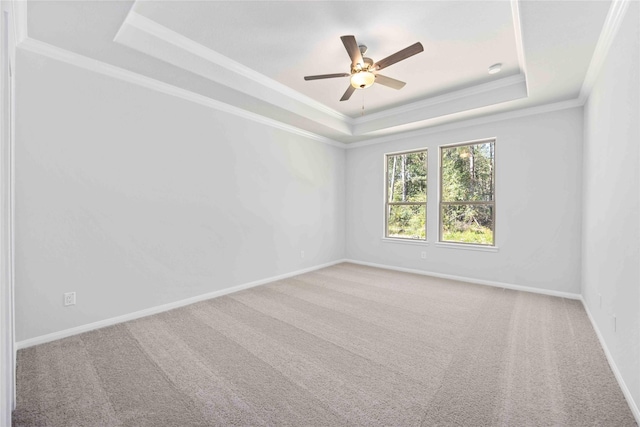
(467, 202)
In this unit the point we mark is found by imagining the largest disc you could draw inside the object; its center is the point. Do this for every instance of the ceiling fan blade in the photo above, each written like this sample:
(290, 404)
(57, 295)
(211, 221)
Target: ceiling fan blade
(348, 93)
(399, 56)
(353, 50)
(326, 76)
(389, 82)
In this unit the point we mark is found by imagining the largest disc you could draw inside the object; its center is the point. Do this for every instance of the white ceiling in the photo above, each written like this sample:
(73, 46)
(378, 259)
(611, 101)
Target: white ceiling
(288, 40)
(253, 55)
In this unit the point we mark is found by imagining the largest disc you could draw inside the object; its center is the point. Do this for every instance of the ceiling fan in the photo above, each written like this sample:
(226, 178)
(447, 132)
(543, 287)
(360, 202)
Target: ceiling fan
(364, 72)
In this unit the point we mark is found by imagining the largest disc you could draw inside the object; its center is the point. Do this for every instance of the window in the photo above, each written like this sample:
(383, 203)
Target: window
(467, 202)
(406, 195)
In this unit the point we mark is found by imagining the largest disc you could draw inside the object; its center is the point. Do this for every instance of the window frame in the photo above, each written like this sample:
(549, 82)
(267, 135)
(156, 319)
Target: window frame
(491, 203)
(385, 234)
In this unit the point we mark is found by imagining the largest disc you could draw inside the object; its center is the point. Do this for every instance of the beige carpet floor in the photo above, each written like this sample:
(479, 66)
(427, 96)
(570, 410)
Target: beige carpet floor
(345, 345)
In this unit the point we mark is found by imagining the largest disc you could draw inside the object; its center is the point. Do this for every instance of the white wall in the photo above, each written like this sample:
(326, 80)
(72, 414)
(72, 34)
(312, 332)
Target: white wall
(611, 215)
(134, 199)
(538, 198)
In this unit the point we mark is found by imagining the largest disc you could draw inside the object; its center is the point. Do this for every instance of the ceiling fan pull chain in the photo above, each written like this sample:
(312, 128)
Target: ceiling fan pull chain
(362, 114)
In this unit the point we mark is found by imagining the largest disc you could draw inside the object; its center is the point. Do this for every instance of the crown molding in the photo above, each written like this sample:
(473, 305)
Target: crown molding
(607, 35)
(167, 35)
(443, 99)
(454, 103)
(145, 35)
(470, 91)
(19, 20)
(517, 28)
(441, 103)
(492, 117)
(59, 54)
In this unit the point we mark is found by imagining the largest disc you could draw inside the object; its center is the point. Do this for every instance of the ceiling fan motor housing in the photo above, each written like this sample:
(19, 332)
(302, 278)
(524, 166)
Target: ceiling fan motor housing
(367, 65)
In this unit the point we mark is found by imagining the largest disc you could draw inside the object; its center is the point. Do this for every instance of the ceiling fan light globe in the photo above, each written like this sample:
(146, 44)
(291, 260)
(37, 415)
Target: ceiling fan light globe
(362, 79)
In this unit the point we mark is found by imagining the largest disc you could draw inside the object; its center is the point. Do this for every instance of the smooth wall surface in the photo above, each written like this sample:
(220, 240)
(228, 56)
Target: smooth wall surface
(538, 199)
(611, 214)
(133, 199)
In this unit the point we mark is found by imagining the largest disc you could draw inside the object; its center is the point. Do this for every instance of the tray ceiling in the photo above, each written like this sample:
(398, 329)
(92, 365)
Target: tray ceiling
(288, 40)
(253, 55)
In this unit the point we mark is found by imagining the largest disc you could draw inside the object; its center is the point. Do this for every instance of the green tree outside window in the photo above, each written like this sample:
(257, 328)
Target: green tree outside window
(406, 195)
(467, 204)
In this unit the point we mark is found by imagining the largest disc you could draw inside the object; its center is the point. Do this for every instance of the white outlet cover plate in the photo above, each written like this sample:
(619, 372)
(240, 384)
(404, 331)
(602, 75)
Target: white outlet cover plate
(69, 298)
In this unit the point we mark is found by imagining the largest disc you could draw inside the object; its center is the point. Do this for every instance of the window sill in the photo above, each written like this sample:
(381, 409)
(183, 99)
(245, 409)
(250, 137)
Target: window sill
(467, 247)
(405, 241)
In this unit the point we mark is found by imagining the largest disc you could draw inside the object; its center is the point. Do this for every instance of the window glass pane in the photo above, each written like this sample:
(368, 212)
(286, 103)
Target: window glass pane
(467, 224)
(407, 177)
(406, 221)
(467, 172)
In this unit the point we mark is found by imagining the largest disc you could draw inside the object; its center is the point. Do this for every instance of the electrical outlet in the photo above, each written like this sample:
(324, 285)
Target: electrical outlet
(70, 298)
(301, 254)
(423, 255)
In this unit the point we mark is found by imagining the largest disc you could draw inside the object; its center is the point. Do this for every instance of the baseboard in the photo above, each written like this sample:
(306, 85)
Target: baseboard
(470, 280)
(614, 368)
(170, 306)
(160, 308)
